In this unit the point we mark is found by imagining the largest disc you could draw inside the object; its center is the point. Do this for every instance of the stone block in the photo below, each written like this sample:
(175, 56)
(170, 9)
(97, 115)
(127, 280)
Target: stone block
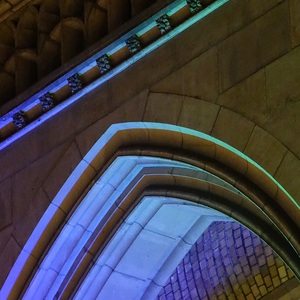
(135, 108)
(199, 146)
(24, 191)
(288, 175)
(173, 220)
(254, 46)
(33, 213)
(88, 137)
(62, 170)
(5, 203)
(282, 81)
(145, 255)
(295, 22)
(231, 160)
(238, 129)
(5, 235)
(285, 126)
(132, 110)
(248, 98)
(265, 150)
(122, 287)
(140, 75)
(257, 8)
(210, 30)
(8, 257)
(283, 99)
(198, 78)
(198, 114)
(163, 107)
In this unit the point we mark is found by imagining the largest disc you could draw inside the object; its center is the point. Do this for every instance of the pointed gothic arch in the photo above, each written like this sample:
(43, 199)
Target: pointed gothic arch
(228, 186)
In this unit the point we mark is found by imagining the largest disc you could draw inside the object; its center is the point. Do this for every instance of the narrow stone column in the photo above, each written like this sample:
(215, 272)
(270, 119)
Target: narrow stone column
(139, 5)
(26, 69)
(119, 11)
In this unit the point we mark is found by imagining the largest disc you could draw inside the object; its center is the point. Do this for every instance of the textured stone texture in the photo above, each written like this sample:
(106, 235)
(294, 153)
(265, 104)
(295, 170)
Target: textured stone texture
(133, 111)
(35, 209)
(268, 98)
(198, 114)
(282, 81)
(254, 46)
(227, 262)
(247, 98)
(170, 107)
(283, 98)
(187, 46)
(239, 129)
(290, 164)
(265, 150)
(7, 257)
(198, 78)
(60, 172)
(257, 8)
(27, 182)
(141, 76)
(6, 206)
(295, 22)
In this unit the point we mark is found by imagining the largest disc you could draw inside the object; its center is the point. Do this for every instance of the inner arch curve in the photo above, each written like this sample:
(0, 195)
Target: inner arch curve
(261, 194)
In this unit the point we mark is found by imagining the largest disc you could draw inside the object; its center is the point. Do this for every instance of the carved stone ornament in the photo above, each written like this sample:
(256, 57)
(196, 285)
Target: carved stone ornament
(133, 44)
(47, 101)
(75, 83)
(19, 120)
(164, 24)
(103, 63)
(194, 5)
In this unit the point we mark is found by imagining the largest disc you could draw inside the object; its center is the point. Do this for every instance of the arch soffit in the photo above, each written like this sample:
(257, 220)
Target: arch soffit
(170, 141)
(165, 141)
(103, 214)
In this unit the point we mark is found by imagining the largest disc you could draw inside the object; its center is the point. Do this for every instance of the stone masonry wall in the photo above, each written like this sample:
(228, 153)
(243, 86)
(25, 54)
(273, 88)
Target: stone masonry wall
(234, 75)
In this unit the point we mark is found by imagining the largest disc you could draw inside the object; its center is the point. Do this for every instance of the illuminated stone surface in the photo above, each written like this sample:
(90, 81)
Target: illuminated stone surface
(247, 98)
(227, 262)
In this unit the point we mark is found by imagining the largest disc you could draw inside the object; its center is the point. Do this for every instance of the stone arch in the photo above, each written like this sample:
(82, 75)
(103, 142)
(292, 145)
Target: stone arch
(186, 146)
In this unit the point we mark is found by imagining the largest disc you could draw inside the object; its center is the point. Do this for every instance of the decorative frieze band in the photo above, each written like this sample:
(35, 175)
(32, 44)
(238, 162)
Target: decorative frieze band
(142, 40)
